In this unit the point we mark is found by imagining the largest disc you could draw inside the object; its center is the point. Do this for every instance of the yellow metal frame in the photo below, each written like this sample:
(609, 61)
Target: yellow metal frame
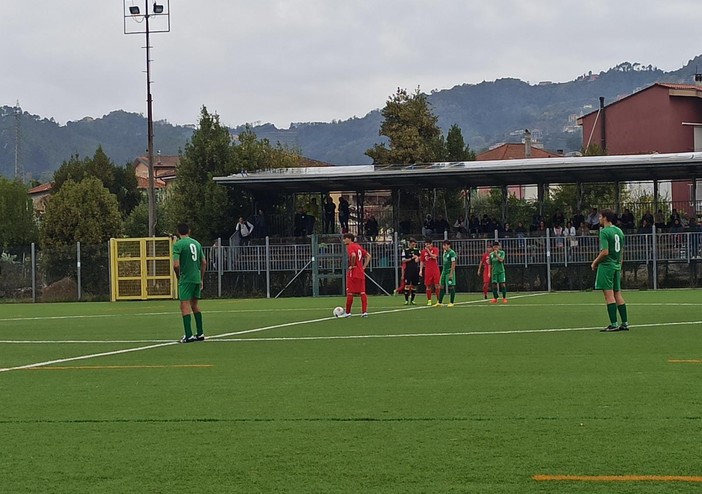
(137, 274)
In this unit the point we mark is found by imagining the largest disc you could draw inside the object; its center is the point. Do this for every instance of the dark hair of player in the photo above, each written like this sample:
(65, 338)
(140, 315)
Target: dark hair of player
(495, 243)
(447, 242)
(428, 241)
(610, 215)
(412, 240)
(183, 228)
(350, 236)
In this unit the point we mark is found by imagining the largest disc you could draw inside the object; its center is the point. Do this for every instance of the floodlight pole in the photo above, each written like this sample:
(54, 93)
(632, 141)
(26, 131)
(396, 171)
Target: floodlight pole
(158, 10)
(151, 193)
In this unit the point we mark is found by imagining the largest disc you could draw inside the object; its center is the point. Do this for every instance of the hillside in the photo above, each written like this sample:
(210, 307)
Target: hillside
(487, 113)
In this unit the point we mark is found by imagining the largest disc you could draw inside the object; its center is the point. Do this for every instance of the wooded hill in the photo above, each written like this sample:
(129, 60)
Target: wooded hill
(488, 113)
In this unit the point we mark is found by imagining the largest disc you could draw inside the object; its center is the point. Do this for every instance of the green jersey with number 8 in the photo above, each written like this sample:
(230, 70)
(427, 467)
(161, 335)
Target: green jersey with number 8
(612, 239)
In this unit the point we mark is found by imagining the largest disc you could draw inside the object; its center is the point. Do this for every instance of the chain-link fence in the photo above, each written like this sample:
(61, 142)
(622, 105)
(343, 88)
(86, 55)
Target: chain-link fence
(315, 265)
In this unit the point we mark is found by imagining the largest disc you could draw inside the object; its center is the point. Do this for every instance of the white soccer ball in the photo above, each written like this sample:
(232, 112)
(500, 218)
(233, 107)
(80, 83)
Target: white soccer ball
(338, 311)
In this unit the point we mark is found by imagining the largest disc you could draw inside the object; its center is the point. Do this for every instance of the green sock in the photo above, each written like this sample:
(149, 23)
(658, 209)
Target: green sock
(612, 311)
(494, 292)
(186, 326)
(452, 292)
(198, 323)
(622, 312)
(504, 292)
(441, 296)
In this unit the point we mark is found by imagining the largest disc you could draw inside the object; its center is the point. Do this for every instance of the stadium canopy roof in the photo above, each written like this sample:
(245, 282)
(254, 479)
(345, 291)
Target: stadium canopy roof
(590, 169)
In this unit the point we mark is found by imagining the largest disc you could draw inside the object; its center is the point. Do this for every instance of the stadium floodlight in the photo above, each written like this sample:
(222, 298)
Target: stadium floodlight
(159, 12)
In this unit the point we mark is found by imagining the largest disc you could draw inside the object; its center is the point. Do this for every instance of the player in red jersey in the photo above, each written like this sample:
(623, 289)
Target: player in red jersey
(429, 266)
(484, 266)
(358, 259)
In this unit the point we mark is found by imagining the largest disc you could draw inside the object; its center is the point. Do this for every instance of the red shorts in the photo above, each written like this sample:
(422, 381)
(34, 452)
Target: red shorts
(355, 285)
(487, 277)
(431, 278)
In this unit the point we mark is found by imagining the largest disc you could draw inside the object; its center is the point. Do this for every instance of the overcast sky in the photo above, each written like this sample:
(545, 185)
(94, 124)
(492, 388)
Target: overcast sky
(284, 61)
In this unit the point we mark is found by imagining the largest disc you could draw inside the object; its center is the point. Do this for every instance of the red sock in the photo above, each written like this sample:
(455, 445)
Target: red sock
(364, 302)
(349, 302)
(428, 293)
(438, 292)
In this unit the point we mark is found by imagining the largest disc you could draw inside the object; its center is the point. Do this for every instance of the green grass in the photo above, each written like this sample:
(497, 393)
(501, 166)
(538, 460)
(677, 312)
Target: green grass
(287, 409)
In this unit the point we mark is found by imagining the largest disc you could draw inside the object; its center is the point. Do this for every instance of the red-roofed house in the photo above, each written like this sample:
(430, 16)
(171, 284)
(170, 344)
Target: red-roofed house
(662, 118)
(40, 196)
(514, 151)
(164, 168)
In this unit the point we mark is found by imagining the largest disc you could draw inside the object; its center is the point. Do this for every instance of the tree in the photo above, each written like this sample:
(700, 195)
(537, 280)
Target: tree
(18, 225)
(120, 181)
(412, 131)
(84, 212)
(196, 198)
(456, 148)
(212, 210)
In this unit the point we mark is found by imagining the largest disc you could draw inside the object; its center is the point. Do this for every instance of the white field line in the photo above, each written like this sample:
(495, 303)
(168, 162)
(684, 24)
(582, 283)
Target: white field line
(225, 335)
(313, 309)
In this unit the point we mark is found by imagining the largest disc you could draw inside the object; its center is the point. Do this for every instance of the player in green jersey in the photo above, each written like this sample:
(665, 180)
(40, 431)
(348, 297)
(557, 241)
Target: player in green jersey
(497, 268)
(608, 264)
(448, 274)
(189, 265)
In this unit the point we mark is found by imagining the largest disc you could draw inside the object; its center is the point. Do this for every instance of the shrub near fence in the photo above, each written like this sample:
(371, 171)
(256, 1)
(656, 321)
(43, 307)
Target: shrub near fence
(661, 260)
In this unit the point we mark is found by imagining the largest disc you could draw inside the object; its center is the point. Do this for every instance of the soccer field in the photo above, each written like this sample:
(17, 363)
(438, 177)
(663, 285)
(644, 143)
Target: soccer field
(479, 398)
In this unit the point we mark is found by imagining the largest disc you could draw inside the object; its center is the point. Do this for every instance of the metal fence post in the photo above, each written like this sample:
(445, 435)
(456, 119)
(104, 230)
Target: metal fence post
(395, 260)
(268, 267)
(220, 266)
(548, 259)
(78, 269)
(34, 273)
(654, 243)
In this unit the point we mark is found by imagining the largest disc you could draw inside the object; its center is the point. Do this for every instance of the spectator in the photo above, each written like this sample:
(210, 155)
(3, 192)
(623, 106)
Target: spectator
(474, 225)
(441, 225)
(371, 228)
(344, 214)
(259, 225)
(541, 229)
(329, 213)
(557, 230)
(578, 219)
(405, 226)
(507, 230)
(558, 218)
(428, 226)
(593, 219)
(674, 215)
(659, 219)
(460, 227)
(244, 230)
(645, 227)
(569, 230)
(520, 230)
(300, 222)
(628, 219)
(648, 217)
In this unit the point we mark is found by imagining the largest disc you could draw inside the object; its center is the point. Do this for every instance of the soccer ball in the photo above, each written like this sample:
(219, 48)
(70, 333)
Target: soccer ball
(338, 311)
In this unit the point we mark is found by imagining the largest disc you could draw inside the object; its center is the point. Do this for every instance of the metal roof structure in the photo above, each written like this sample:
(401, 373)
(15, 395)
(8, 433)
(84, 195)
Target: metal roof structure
(590, 169)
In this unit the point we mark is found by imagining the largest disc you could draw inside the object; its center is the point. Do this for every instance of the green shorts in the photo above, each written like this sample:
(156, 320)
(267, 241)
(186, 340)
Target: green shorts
(608, 279)
(499, 278)
(188, 291)
(445, 281)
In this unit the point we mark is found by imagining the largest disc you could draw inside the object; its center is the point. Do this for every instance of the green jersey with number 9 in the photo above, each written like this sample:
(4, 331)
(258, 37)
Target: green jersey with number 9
(188, 252)
(612, 239)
